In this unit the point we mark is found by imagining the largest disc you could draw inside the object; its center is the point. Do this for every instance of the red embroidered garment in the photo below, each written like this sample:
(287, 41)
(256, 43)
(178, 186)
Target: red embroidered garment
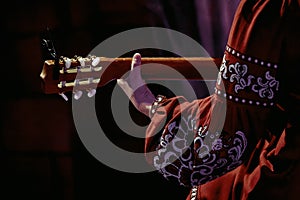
(242, 142)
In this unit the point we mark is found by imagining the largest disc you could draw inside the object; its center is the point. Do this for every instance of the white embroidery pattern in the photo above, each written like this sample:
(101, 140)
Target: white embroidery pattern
(237, 73)
(193, 159)
(265, 87)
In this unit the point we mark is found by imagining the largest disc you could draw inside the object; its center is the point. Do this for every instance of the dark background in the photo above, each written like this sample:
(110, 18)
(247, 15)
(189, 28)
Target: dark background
(41, 156)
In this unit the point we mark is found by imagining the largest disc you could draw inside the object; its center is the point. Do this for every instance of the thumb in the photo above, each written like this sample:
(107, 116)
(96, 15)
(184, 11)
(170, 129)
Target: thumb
(134, 79)
(136, 60)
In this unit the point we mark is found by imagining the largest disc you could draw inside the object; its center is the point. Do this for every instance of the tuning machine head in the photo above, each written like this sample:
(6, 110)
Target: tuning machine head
(91, 92)
(64, 96)
(94, 60)
(77, 94)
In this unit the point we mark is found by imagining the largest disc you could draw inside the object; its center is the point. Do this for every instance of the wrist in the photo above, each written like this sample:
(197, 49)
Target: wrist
(156, 104)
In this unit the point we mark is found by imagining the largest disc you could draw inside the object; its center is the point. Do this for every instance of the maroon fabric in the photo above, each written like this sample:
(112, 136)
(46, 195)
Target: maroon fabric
(261, 98)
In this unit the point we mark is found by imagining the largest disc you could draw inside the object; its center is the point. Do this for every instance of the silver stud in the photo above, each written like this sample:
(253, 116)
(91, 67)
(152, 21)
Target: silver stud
(67, 62)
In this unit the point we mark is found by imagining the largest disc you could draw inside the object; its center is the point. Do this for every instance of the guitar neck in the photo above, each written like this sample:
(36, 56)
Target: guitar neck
(56, 78)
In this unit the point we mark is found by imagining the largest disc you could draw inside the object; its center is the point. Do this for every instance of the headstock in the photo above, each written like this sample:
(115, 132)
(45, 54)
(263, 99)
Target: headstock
(78, 74)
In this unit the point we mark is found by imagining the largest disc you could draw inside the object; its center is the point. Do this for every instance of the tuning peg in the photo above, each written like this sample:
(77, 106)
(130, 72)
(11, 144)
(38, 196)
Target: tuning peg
(67, 62)
(95, 61)
(91, 92)
(81, 60)
(64, 96)
(77, 94)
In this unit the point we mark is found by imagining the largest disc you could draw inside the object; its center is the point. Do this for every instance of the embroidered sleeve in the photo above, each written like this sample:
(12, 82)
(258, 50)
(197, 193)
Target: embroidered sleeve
(193, 155)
